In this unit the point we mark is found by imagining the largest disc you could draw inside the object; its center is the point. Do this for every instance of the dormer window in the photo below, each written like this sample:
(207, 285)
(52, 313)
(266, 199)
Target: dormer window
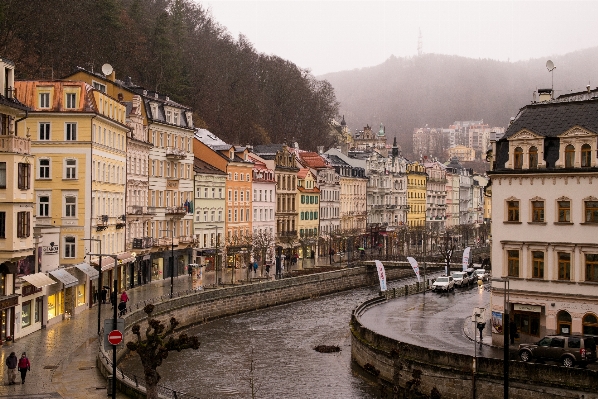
(533, 158)
(569, 156)
(518, 158)
(231, 154)
(586, 156)
(169, 116)
(176, 118)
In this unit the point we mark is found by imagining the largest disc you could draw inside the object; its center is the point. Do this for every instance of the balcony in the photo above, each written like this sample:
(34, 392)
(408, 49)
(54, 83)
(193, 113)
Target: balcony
(186, 240)
(175, 153)
(165, 242)
(176, 210)
(120, 221)
(19, 145)
(140, 210)
(143, 243)
(292, 233)
(102, 223)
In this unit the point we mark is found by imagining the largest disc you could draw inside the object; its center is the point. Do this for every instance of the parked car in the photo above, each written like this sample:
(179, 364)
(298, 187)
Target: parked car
(482, 274)
(443, 283)
(567, 350)
(461, 279)
(471, 273)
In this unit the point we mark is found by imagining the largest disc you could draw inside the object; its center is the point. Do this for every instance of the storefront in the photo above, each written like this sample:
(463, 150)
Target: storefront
(93, 284)
(528, 319)
(125, 260)
(69, 298)
(32, 300)
(157, 272)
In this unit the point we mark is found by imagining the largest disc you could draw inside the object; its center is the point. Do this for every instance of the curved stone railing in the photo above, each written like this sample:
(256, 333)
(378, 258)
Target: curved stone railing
(412, 371)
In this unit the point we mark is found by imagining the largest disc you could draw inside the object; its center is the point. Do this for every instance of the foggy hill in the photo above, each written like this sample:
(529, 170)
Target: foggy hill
(434, 89)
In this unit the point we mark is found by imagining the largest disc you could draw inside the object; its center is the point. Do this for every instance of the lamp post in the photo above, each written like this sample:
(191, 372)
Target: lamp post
(171, 262)
(505, 329)
(99, 278)
(114, 324)
(217, 252)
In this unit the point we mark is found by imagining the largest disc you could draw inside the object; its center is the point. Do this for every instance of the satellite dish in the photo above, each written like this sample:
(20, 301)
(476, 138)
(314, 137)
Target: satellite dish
(549, 65)
(107, 69)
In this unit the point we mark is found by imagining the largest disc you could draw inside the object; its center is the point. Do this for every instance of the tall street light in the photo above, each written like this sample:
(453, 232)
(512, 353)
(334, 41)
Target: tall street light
(171, 262)
(505, 329)
(217, 251)
(100, 282)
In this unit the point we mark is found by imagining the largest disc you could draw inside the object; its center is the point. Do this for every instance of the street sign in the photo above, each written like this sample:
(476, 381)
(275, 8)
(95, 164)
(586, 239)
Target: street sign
(108, 327)
(115, 337)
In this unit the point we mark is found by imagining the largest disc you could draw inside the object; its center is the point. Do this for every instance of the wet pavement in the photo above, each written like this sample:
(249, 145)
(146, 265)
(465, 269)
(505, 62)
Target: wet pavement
(439, 321)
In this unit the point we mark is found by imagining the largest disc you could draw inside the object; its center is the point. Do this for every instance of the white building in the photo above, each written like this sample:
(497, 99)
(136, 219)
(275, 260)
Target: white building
(545, 221)
(264, 209)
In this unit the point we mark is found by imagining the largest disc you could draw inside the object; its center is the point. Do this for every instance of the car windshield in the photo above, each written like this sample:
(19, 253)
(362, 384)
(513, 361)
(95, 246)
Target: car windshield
(457, 275)
(480, 271)
(442, 280)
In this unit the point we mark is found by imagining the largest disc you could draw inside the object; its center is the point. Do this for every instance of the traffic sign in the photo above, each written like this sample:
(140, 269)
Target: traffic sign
(108, 327)
(115, 337)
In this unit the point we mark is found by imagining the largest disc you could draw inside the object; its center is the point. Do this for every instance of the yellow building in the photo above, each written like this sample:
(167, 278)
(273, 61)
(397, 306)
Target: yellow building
(79, 141)
(464, 154)
(416, 194)
(308, 206)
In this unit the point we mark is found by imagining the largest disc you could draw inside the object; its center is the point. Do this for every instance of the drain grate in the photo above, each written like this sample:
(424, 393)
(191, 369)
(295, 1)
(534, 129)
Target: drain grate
(50, 367)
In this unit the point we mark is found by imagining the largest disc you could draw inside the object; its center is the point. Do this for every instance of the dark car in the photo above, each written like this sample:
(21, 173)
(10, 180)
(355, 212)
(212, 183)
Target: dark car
(567, 350)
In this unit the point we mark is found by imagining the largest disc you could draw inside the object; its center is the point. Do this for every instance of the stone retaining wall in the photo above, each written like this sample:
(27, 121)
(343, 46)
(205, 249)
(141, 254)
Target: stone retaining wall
(411, 371)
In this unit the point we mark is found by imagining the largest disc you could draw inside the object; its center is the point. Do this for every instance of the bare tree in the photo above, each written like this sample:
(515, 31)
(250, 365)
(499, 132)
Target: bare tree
(263, 246)
(155, 347)
(447, 249)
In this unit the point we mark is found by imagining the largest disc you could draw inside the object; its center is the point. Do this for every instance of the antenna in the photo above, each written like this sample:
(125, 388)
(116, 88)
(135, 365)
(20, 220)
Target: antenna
(550, 66)
(107, 69)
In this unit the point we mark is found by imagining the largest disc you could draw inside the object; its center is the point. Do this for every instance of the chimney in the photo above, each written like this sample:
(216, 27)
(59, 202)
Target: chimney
(320, 149)
(544, 95)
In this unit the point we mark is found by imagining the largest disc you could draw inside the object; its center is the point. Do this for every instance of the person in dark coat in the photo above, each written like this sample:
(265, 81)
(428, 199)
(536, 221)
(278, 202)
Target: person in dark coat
(11, 364)
(103, 294)
(512, 331)
(113, 299)
(24, 366)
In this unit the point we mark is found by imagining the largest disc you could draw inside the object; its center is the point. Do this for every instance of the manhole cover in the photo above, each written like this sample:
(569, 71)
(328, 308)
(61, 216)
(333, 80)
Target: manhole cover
(86, 368)
(50, 367)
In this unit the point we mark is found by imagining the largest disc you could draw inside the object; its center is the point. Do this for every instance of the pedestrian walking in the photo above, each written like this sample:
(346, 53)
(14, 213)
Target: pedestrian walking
(122, 308)
(11, 363)
(24, 366)
(267, 270)
(104, 294)
(255, 267)
(113, 299)
(124, 298)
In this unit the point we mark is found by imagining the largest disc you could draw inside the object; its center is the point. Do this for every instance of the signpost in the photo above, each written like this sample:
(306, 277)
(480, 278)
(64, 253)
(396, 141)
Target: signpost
(115, 337)
(109, 328)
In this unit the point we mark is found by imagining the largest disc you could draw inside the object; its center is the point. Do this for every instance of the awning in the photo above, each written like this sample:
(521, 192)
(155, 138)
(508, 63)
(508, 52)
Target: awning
(38, 280)
(89, 270)
(126, 257)
(107, 263)
(65, 278)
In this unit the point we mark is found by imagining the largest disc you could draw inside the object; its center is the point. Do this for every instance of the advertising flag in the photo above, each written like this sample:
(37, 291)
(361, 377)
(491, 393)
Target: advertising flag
(466, 258)
(381, 275)
(415, 267)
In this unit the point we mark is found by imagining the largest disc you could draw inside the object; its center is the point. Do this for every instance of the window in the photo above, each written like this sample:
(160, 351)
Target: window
(564, 208)
(44, 100)
(70, 169)
(44, 131)
(513, 211)
(236, 176)
(592, 267)
(518, 158)
(2, 224)
(70, 131)
(569, 156)
(586, 156)
(70, 206)
(230, 195)
(230, 212)
(205, 216)
(26, 314)
(590, 325)
(564, 265)
(537, 211)
(2, 174)
(24, 176)
(44, 206)
(55, 305)
(591, 211)
(533, 158)
(513, 263)
(99, 86)
(537, 264)
(44, 168)
(236, 195)
(23, 224)
(69, 247)
(70, 100)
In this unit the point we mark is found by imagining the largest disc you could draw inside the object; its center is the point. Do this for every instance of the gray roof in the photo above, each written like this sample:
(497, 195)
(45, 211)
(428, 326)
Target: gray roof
(553, 119)
(267, 149)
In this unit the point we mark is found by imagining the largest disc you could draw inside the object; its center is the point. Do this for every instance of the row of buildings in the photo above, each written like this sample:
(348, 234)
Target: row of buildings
(103, 182)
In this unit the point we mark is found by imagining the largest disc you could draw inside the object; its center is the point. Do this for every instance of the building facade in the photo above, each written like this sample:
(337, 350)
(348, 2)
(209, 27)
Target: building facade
(417, 181)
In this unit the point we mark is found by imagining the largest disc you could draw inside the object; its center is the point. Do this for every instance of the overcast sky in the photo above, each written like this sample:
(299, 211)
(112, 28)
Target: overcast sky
(330, 36)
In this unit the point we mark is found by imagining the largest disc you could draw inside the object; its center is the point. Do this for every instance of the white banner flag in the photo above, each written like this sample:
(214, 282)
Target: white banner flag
(415, 267)
(381, 275)
(466, 258)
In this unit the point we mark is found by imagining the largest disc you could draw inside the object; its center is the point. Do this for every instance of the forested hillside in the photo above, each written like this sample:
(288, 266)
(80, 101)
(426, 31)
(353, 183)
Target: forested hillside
(178, 49)
(433, 89)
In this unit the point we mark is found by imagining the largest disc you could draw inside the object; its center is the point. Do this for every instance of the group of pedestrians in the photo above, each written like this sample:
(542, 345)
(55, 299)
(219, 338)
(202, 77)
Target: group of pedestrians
(122, 305)
(13, 364)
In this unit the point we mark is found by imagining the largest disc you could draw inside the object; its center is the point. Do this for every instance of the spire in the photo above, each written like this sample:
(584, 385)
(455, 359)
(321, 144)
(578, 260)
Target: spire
(343, 123)
(395, 148)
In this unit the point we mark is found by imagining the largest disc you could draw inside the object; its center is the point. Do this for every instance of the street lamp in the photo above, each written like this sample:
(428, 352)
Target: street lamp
(114, 325)
(217, 251)
(100, 282)
(505, 330)
(171, 262)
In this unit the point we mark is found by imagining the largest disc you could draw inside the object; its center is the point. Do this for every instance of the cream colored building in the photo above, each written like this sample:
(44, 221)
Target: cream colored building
(462, 153)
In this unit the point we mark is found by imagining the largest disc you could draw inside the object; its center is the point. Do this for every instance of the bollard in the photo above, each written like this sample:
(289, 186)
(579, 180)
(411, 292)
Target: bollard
(394, 292)
(109, 385)
(406, 290)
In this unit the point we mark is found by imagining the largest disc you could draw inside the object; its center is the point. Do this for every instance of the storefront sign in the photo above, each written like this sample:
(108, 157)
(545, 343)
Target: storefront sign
(51, 249)
(496, 322)
(9, 302)
(29, 290)
(527, 308)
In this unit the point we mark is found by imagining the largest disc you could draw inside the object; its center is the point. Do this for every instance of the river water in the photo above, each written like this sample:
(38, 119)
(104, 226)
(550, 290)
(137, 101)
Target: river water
(278, 342)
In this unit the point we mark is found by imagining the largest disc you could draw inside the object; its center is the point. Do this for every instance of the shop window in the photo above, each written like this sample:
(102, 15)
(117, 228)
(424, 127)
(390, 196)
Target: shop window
(591, 211)
(537, 211)
(564, 265)
(513, 211)
(586, 156)
(518, 158)
(528, 323)
(563, 323)
(592, 267)
(569, 156)
(537, 264)
(38, 309)
(81, 293)
(26, 314)
(513, 263)
(564, 208)
(533, 158)
(590, 324)
(55, 305)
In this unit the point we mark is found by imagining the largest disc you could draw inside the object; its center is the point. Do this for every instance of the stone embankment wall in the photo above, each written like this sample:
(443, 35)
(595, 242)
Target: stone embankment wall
(203, 306)
(410, 371)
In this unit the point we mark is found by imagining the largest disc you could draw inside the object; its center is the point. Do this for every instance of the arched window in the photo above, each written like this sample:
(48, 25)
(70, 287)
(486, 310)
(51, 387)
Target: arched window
(563, 319)
(586, 156)
(569, 156)
(590, 324)
(533, 158)
(518, 158)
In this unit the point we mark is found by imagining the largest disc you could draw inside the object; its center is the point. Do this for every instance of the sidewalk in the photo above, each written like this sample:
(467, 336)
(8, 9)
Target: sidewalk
(63, 356)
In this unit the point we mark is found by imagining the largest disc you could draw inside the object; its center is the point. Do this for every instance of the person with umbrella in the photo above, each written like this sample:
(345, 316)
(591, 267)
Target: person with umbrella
(362, 252)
